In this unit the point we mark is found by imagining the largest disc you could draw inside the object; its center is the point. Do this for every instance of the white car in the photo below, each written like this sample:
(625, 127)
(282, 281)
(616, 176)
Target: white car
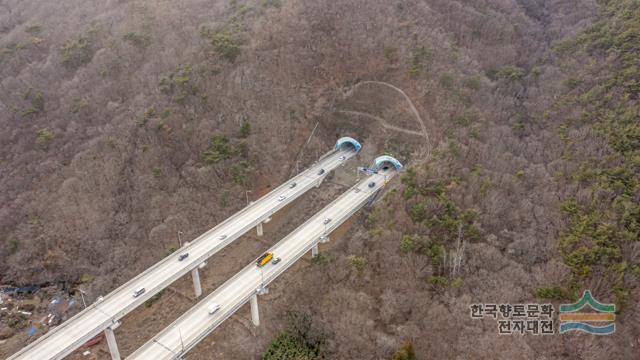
(213, 308)
(222, 237)
(281, 197)
(342, 158)
(326, 221)
(139, 291)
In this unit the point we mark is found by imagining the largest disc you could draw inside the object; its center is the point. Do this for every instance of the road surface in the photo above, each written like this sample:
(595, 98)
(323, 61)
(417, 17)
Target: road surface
(64, 339)
(184, 333)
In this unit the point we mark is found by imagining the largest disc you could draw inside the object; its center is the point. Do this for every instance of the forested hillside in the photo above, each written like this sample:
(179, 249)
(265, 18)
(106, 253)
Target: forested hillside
(125, 122)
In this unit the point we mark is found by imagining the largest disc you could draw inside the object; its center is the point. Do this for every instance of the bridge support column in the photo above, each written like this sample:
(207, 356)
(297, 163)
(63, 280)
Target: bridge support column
(314, 250)
(195, 274)
(255, 315)
(318, 183)
(259, 229)
(111, 341)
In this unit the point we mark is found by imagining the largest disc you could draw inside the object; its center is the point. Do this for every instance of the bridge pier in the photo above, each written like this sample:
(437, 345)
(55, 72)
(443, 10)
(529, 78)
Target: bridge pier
(314, 250)
(255, 316)
(195, 274)
(111, 341)
(259, 229)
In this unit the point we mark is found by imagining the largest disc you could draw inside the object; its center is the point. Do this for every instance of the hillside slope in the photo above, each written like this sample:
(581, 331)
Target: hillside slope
(128, 121)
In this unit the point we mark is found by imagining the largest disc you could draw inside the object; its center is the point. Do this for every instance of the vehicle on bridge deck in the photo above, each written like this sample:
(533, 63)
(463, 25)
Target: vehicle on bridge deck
(275, 260)
(139, 291)
(183, 256)
(213, 308)
(321, 171)
(264, 259)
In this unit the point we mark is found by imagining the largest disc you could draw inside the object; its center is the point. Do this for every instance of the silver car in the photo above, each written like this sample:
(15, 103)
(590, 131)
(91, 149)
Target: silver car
(213, 308)
(281, 197)
(139, 291)
(326, 221)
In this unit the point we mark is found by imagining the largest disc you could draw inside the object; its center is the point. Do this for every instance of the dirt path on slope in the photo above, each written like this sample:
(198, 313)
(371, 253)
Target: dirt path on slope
(414, 110)
(382, 122)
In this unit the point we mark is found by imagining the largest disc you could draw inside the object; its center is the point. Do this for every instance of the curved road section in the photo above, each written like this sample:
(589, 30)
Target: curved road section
(184, 333)
(64, 339)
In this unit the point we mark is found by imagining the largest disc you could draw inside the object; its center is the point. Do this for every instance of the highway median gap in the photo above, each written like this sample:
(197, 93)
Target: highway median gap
(104, 315)
(253, 280)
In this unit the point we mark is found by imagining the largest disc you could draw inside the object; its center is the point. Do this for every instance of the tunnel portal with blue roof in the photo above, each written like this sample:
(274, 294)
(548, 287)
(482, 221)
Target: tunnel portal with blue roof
(348, 141)
(380, 162)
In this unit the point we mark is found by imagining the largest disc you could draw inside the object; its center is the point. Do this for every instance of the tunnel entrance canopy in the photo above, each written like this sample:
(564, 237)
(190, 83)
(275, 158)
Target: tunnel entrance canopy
(348, 141)
(385, 160)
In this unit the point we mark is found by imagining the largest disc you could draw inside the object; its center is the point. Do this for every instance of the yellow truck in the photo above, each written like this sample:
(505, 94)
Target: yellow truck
(264, 259)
